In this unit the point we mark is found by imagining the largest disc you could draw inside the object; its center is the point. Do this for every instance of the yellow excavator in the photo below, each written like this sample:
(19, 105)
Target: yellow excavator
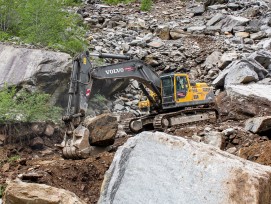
(172, 99)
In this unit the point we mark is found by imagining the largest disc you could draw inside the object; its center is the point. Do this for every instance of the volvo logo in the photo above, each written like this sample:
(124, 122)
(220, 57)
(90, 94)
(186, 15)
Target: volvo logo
(114, 71)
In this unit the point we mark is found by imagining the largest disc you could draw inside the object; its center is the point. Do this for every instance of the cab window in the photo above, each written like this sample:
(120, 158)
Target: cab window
(167, 85)
(181, 86)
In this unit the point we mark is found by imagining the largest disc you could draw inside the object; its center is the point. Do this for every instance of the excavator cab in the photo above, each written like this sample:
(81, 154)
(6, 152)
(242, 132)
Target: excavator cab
(178, 92)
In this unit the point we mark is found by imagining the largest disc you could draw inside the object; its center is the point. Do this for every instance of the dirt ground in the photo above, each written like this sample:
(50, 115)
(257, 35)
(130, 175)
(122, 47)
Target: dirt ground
(83, 177)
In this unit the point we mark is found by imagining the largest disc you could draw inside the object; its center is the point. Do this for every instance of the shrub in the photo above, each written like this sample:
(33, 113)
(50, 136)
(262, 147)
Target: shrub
(26, 107)
(146, 5)
(98, 98)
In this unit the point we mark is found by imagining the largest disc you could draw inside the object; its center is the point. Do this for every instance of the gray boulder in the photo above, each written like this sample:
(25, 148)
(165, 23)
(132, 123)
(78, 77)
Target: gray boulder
(263, 57)
(258, 124)
(216, 18)
(253, 68)
(230, 22)
(160, 168)
(213, 59)
(245, 101)
(242, 75)
(196, 28)
(214, 138)
(36, 69)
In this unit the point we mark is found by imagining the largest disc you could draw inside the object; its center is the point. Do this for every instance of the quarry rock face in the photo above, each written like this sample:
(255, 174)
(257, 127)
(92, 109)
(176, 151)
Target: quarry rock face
(160, 168)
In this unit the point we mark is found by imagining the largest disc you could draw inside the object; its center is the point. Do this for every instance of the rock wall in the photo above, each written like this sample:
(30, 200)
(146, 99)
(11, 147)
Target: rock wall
(159, 168)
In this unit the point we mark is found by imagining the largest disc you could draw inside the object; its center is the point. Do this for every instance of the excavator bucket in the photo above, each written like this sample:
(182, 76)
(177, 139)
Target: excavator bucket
(76, 145)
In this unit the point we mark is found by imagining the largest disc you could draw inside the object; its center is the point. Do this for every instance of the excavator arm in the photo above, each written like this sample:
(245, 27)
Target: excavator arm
(76, 139)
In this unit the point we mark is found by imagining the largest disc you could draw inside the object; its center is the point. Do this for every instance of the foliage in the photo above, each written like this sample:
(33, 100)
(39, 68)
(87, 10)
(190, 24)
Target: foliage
(98, 98)
(71, 2)
(26, 107)
(43, 22)
(146, 5)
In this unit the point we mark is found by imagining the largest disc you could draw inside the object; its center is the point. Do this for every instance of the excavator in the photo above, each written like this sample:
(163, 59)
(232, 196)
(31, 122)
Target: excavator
(171, 99)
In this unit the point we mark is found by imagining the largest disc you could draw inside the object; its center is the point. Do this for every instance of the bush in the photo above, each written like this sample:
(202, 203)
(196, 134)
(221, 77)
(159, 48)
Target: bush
(146, 5)
(26, 107)
(98, 98)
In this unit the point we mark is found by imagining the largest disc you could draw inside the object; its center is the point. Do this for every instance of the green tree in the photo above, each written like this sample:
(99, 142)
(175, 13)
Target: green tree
(42, 21)
(8, 14)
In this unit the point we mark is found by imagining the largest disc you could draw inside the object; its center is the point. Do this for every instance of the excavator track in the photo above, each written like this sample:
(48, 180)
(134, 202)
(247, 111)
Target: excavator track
(126, 126)
(136, 125)
(187, 116)
(165, 120)
(157, 122)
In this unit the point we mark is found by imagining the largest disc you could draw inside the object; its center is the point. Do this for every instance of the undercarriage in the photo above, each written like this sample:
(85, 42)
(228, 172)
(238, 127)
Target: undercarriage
(162, 121)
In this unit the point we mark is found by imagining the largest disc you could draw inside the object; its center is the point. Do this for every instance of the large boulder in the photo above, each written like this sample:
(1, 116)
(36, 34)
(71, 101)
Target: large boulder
(18, 192)
(243, 75)
(102, 129)
(228, 23)
(258, 124)
(245, 101)
(251, 69)
(37, 70)
(160, 168)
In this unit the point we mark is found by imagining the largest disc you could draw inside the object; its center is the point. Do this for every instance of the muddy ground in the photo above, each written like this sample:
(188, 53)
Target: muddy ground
(83, 177)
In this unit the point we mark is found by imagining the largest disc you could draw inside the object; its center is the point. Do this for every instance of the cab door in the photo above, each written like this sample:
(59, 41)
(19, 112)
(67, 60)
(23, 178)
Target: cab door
(168, 90)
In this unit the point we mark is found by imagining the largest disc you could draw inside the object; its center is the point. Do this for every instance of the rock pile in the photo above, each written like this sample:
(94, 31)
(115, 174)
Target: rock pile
(175, 38)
